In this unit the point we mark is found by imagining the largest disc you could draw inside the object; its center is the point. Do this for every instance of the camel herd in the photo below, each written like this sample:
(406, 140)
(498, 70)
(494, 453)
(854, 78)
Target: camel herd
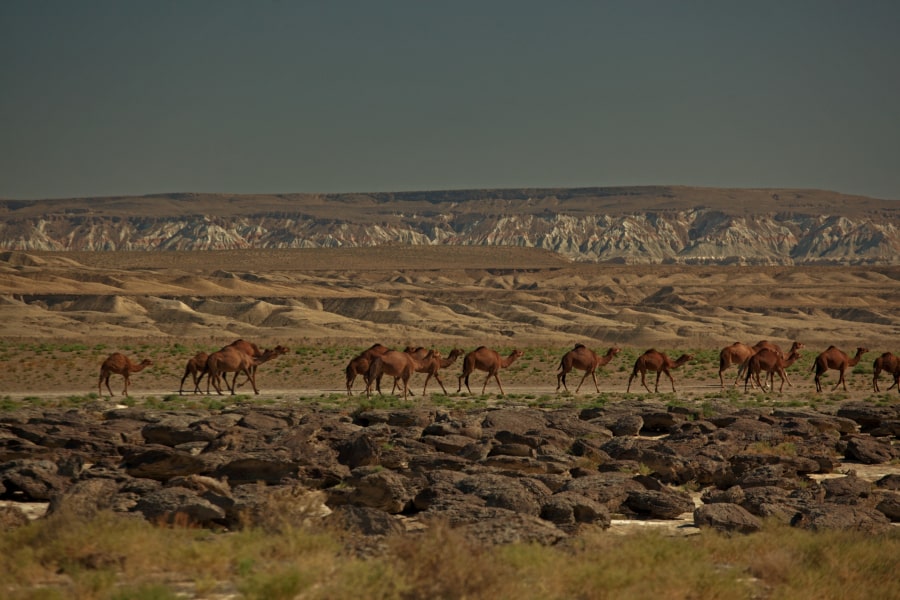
(764, 358)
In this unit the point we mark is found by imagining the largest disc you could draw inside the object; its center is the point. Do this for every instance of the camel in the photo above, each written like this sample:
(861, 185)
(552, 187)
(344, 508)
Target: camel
(771, 362)
(583, 358)
(888, 363)
(735, 354)
(834, 358)
(652, 360)
(253, 350)
(231, 360)
(742, 370)
(359, 365)
(433, 365)
(119, 364)
(194, 368)
(485, 359)
(399, 365)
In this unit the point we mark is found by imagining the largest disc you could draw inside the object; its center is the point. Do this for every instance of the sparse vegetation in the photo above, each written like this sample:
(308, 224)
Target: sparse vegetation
(112, 557)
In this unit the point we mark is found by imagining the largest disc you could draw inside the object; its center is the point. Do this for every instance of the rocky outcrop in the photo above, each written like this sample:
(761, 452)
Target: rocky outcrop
(625, 225)
(501, 474)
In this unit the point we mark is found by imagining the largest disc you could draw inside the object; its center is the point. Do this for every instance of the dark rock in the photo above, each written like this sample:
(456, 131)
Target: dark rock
(364, 520)
(888, 503)
(176, 505)
(661, 504)
(568, 510)
(869, 451)
(160, 462)
(727, 518)
(360, 450)
(85, 498)
(830, 516)
(266, 467)
(847, 490)
(37, 480)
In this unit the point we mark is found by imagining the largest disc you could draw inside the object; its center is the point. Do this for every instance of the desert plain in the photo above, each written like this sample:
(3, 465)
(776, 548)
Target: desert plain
(62, 313)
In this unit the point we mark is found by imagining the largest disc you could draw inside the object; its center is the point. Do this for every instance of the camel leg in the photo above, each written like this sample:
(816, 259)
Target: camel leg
(896, 383)
(628, 389)
(214, 377)
(181, 387)
(251, 377)
(644, 381)
(671, 379)
(125, 389)
(594, 377)
(499, 385)
(656, 387)
(841, 381)
(561, 381)
(467, 383)
(484, 387)
(586, 373)
(875, 381)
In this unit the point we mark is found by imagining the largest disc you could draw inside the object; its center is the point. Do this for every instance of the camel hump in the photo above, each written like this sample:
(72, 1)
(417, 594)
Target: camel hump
(577, 346)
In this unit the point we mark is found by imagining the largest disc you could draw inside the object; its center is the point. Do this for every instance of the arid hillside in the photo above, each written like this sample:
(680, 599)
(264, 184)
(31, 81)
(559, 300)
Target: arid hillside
(637, 225)
(453, 294)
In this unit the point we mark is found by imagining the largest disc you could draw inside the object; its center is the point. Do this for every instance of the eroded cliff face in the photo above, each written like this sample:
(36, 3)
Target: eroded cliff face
(626, 225)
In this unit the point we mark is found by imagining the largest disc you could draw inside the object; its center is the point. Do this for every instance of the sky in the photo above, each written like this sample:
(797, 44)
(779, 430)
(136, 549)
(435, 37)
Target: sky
(128, 97)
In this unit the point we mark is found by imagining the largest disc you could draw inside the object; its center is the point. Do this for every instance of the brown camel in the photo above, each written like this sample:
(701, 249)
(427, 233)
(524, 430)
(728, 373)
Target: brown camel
(771, 362)
(359, 365)
(253, 350)
(652, 360)
(399, 365)
(834, 358)
(434, 364)
(231, 360)
(119, 364)
(266, 356)
(742, 370)
(735, 354)
(485, 359)
(583, 358)
(194, 368)
(888, 363)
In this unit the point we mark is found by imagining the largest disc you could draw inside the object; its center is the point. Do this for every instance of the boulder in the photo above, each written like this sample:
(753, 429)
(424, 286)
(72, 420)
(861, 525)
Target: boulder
(726, 517)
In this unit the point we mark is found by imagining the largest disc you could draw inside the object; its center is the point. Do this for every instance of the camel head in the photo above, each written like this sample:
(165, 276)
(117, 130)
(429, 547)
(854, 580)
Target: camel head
(613, 351)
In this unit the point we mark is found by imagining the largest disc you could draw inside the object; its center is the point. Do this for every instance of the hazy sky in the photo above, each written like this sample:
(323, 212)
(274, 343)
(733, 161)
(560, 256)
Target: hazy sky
(137, 97)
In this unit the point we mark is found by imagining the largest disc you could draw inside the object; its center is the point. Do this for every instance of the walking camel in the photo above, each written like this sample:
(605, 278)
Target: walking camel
(253, 351)
(583, 358)
(194, 368)
(766, 344)
(432, 365)
(770, 362)
(652, 360)
(485, 359)
(777, 349)
(396, 364)
(888, 363)
(359, 365)
(119, 364)
(834, 358)
(231, 360)
(735, 354)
